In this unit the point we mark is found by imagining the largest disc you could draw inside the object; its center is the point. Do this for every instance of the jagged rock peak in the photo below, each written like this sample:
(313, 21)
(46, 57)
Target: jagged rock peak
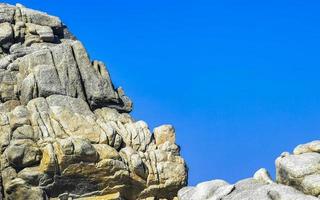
(65, 130)
(39, 57)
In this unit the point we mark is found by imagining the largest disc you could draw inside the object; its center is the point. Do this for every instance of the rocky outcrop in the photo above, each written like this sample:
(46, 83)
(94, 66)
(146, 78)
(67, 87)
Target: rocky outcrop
(301, 169)
(297, 178)
(248, 189)
(260, 187)
(39, 58)
(66, 132)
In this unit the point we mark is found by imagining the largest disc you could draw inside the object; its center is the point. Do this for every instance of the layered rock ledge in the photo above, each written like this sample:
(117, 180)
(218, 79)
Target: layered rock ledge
(66, 131)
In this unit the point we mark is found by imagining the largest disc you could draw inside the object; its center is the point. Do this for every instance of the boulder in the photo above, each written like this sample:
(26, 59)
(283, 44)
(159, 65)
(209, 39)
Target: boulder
(165, 133)
(247, 189)
(6, 35)
(301, 169)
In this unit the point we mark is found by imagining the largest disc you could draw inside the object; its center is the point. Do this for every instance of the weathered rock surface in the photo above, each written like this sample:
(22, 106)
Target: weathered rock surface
(301, 169)
(260, 187)
(65, 131)
(297, 178)
(39, 58)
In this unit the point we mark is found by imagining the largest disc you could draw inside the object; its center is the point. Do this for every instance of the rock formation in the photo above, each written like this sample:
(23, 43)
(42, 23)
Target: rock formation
(297, 178)
(66, 132)
(302, 169)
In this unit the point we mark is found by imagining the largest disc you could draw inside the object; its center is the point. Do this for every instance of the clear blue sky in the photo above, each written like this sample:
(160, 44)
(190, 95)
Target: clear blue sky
(238, 79)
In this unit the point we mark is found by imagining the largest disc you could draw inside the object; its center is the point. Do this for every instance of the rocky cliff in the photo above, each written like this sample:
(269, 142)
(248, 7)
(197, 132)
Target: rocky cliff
(297, 178)
(65, 130)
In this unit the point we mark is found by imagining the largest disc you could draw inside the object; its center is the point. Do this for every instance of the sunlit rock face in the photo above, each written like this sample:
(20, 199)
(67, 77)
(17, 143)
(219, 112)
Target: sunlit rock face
(259, 187)
(66, 131)
(297, 178)
(301, 169)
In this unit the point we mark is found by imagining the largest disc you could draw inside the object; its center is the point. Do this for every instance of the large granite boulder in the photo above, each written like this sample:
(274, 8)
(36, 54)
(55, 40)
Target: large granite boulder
(260, 187)
(301, 169)
(297, 178)
(65, 130)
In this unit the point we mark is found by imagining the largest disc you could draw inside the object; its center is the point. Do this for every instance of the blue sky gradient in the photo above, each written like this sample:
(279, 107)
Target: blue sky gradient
(238, 79)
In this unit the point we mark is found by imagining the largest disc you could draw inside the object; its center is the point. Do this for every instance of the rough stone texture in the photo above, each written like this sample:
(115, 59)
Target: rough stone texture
(165, 133)
(301, 169)
(255, 188)
(297, 178)
(38, 59)
(65, 131)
